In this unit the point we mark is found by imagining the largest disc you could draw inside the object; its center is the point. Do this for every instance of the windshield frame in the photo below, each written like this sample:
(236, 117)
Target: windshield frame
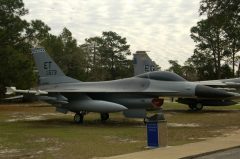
(162, 76)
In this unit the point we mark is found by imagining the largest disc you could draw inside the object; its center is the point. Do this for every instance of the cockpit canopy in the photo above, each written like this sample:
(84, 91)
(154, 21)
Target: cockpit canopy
(162, 76)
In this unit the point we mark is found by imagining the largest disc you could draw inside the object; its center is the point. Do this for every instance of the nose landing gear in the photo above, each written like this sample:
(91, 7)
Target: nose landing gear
(78, 117)
(104, 116)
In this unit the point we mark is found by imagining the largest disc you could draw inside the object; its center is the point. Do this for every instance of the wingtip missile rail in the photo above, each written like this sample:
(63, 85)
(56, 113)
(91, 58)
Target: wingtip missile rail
(13, 90)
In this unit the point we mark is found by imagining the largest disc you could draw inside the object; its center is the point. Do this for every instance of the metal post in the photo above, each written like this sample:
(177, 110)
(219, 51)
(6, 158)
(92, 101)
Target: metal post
(157, 135)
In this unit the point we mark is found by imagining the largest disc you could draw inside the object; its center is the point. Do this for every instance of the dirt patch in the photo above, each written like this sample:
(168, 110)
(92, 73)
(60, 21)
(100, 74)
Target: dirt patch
(9, 153)
(26, 118)
(116, 139)
(192, 125)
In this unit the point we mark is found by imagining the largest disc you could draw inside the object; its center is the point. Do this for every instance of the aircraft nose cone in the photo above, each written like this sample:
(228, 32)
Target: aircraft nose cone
(209, 92)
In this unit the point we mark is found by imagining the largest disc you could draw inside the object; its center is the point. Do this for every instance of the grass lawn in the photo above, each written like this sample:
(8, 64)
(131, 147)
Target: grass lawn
(37, 131)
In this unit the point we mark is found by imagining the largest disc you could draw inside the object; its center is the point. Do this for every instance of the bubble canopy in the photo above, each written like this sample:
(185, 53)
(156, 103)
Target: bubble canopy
(162, 76)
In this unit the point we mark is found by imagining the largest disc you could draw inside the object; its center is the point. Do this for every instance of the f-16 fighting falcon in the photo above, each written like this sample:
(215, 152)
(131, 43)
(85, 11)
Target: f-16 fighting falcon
(143, 63)
(132, 95)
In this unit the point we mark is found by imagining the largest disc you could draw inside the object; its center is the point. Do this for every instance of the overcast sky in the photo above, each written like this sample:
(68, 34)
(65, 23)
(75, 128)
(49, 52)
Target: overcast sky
(159, 26)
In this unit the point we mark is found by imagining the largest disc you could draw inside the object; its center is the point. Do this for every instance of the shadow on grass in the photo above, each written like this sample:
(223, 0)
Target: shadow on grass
(112, 122)
(61, 122)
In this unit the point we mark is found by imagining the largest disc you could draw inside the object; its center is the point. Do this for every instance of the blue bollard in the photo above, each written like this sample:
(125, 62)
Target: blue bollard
(152, 134)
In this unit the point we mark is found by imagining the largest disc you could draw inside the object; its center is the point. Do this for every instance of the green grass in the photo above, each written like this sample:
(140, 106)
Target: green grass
(57, 136)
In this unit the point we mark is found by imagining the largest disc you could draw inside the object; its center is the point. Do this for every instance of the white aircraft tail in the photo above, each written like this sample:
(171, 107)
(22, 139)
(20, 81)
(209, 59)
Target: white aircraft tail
(49, 72)
(142, 63)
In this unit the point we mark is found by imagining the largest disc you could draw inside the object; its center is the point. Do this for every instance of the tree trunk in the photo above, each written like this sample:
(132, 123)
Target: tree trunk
(239, 69)
(112, 67)
(215, 62)
(218, 57)
(233, 57)
(233, 65)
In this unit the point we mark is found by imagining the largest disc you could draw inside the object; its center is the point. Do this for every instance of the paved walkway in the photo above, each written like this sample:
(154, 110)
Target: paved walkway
(187, 150)
(227, 154)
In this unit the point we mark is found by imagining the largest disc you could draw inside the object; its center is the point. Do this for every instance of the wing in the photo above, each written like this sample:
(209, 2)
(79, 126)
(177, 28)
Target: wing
(133, 85)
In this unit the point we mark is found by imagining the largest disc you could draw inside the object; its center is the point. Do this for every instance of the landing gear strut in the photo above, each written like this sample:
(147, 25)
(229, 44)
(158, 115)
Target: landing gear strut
(104, 116)
(196, 106)
(78, 117)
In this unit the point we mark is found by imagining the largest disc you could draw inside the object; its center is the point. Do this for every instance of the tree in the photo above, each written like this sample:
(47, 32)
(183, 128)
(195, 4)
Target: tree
(16, 68)
(202, 65)
(189, 72)
(115, 50)
(228, 13)
(17, 36)
(37, 32)
(226, 71)
(175, 67)
(107, 57)
(210, 40)
(229, 8)
(238, 71)
(67, 54)
(12, 26)
(93, 48)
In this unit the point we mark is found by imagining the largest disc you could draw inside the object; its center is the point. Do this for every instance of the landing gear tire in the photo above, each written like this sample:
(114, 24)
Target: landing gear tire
(191, 106)
(104, 116)
(199, 106)
(145, 120)
(78, 118)
(196, 107)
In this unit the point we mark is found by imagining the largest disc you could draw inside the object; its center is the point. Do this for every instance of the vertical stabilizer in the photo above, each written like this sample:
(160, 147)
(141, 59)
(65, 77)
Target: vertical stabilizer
(49, 72)
(142, 63)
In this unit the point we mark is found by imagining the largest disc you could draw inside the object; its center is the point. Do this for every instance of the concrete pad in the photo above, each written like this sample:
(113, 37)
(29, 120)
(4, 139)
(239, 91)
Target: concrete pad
(186, 150)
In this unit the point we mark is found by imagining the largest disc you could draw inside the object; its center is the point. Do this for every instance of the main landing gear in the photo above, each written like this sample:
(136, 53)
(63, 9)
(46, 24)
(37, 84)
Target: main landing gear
(78, 117)
(196, 106)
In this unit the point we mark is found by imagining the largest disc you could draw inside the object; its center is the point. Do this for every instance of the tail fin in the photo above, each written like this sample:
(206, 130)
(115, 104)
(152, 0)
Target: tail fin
(49, 72)
(143, 63)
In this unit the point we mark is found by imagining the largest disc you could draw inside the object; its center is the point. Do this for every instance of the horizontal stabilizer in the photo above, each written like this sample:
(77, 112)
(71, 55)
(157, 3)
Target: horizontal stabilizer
(59, 99)
(15, 97)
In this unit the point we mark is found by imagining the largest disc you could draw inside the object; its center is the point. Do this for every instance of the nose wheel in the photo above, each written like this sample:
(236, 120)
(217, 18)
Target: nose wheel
(104, 116)
(78, 117)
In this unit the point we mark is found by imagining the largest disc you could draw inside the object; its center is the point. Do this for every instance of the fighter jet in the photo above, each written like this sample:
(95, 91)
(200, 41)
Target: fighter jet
(143, 63)
(133, 96)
